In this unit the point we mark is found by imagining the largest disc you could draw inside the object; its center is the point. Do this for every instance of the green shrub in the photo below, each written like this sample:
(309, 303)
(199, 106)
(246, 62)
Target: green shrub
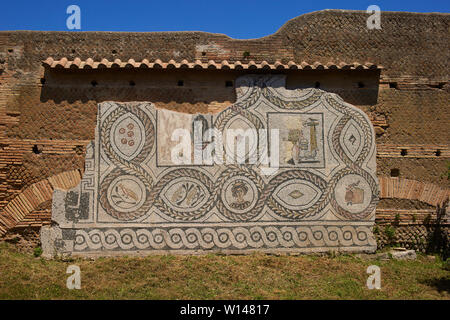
(389, 231)
(397, 219)
(446, 264)
(37, 251)
(376, 230)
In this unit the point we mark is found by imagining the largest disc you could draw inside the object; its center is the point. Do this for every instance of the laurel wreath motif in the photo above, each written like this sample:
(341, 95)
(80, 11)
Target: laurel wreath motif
(243, 171)
(179, 214)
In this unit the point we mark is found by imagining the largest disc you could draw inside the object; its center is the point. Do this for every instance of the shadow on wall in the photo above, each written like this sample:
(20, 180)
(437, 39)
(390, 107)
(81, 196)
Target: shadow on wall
(357, 87)
(439, 238)
(163, 87)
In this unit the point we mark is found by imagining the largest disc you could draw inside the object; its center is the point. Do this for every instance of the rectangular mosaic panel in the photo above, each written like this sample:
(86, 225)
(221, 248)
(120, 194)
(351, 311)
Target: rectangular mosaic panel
(319, 195)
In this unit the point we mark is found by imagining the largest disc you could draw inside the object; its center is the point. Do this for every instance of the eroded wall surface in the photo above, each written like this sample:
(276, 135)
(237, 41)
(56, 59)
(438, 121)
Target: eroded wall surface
(320, 194)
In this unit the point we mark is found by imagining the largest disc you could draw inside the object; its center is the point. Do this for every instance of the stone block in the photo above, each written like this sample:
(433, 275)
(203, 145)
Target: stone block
(403, 255)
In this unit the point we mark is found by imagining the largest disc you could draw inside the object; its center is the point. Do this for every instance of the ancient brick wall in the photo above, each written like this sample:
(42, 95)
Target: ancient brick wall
(48, 115)
(422, 238)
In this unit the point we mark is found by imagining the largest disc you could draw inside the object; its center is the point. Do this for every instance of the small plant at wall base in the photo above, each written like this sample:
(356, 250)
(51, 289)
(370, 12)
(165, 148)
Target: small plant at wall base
(37, 252)
(397, 219)
(246, 54)
(389, 231)
(376, 230)
(446, 264)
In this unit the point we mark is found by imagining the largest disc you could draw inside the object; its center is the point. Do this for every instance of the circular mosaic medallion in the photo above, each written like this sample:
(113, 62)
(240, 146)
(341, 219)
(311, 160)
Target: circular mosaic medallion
(239, 194)
(126, 193)
(239, 191)
(353, 193)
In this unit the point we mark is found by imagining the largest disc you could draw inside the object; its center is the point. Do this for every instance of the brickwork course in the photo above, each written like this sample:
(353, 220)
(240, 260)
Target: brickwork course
(398, 75)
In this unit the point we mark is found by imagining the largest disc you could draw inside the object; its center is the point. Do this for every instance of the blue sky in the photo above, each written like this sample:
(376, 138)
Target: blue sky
(242, 19)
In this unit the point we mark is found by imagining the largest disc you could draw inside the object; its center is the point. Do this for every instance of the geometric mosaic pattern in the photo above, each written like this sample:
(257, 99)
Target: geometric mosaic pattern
(133, 198)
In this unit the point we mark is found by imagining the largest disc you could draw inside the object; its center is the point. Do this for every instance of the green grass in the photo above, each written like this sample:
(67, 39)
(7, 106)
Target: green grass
(257, 276)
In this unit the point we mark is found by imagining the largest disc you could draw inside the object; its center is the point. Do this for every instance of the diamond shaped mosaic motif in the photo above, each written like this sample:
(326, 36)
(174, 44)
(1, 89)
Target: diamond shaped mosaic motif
(295, 194)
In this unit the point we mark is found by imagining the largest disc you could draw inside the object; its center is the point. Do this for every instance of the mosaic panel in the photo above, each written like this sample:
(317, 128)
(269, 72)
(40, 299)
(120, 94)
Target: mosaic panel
(320, 193)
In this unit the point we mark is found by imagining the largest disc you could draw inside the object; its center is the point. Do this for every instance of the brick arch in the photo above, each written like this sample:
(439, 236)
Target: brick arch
(32, 196)
(399, 188)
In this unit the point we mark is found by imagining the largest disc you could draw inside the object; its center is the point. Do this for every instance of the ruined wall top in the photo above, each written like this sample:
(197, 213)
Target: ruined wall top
(318, 36)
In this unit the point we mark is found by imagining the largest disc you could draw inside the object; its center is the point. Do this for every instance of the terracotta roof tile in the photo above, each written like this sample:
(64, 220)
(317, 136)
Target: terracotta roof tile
(89, 63)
